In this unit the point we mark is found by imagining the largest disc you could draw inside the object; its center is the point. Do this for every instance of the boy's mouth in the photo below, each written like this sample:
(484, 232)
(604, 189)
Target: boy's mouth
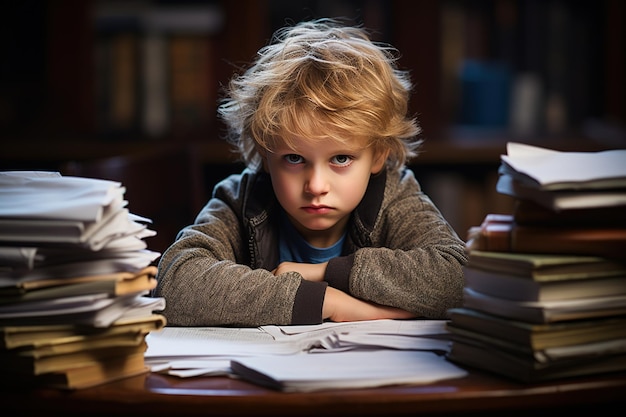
(315, 209)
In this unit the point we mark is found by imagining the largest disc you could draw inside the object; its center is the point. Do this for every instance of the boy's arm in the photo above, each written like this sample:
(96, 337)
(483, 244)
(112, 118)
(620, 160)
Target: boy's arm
(310, 272)
(339, 306)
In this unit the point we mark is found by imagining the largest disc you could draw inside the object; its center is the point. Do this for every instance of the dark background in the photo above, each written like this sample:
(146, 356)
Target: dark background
(57, 92)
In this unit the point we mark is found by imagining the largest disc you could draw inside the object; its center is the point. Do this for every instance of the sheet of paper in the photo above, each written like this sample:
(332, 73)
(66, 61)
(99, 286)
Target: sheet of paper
(212, 342)
(363, 341)
(96, 310)
(551, 168)
(190, 368)
(315, 332)
(354, 369)
(29, 194)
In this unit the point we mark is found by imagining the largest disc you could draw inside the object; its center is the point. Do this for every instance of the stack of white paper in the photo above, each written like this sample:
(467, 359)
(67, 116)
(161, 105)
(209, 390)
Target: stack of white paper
(563, 180)
(63, 230)
(40, 208)
(75, 275)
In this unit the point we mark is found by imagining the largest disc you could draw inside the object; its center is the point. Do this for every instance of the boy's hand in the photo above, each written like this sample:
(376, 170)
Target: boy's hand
(310, 272)
(339, 306)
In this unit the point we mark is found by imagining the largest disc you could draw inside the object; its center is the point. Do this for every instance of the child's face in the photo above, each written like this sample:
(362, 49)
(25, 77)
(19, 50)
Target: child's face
(320, 183)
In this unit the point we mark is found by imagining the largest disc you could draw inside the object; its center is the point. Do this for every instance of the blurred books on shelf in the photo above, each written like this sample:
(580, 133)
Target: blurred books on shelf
(75, 279)
(155, 70)
(545, 287)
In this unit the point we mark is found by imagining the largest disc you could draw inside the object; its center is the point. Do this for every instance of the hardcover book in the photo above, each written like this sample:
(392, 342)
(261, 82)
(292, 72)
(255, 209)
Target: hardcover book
(537, 336)
(520, 288)
(526, 369)
(547, 267)
(546, 311)
(500, 233)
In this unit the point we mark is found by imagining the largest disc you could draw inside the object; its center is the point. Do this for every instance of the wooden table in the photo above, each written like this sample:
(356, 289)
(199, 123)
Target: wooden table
(478, 394)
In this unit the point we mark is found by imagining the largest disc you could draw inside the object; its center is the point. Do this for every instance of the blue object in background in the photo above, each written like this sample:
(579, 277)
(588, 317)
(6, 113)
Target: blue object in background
(485, 94)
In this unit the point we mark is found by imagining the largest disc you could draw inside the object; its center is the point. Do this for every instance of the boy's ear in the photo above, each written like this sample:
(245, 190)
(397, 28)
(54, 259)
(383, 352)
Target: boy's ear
(380, 157)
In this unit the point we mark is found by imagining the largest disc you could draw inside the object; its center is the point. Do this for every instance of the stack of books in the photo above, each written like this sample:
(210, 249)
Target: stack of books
(545, 286)
(75, 279)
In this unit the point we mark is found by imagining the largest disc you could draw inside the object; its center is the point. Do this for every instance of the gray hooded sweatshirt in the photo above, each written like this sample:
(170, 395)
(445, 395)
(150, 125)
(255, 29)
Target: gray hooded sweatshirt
(399, 251)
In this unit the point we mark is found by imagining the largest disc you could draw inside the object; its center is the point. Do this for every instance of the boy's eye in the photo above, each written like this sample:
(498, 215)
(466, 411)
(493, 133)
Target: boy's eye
(341, 160)
(293, 158)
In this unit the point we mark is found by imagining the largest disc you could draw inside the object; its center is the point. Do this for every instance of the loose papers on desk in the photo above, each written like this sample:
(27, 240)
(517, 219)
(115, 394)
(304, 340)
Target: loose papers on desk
(355, 369)
(412, 352)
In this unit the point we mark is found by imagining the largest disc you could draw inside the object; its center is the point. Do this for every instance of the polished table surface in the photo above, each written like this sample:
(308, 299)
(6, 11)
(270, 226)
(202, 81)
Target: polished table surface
(478, 394)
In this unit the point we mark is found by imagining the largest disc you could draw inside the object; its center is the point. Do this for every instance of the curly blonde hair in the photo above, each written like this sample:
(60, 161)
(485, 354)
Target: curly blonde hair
(319, 79)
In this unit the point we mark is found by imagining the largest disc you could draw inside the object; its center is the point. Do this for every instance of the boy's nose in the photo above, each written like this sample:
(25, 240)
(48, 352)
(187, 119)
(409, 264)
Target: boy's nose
(316, 182)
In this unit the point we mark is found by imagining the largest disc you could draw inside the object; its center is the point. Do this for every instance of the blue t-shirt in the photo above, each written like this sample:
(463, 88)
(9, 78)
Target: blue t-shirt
(293, 247)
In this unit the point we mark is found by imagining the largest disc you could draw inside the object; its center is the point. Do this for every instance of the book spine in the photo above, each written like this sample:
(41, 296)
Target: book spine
(526, 212)
(500, 235)
(192, 98)
(156, 113)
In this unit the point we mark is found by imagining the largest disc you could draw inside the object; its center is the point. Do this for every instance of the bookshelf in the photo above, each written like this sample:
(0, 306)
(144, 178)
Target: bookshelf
(57, 103)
